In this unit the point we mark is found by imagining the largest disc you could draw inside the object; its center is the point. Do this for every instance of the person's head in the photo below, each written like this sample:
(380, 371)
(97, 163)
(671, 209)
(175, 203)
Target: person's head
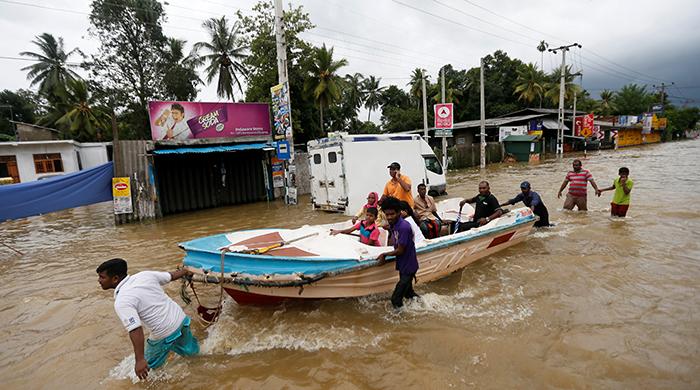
(525, 187)
(394, 168)
(371, 215)
(372, 198)
(177, 111)
(392, 209)
(111, 272)
(624, 172)
(484, 188)
(422, 189)
(406, 210)
(577, 165)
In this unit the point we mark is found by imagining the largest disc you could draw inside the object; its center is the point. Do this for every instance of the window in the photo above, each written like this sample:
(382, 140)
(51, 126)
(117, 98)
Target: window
(332, 157)
(317, 158)
(432, 164)
(48, 163)
(8, 168)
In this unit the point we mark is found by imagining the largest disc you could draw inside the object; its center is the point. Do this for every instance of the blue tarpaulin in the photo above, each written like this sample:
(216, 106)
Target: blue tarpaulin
(214, 149)
(90, 186)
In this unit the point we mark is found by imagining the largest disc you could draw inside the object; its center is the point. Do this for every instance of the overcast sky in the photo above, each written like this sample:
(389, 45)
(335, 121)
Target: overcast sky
(645, 42)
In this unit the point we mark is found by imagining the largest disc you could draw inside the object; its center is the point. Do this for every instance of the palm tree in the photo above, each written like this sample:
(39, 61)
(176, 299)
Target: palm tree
(530, 84)
(416, 84)
(606, 101)
(78, 112)
(552, 88)
(53, 69)
(225, 55)
(355, 91)
(542, 47)
(323, 83)
(181, 77)
(373, 92)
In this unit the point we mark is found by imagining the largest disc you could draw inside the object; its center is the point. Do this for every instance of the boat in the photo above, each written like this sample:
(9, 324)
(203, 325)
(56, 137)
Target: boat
(267, 266)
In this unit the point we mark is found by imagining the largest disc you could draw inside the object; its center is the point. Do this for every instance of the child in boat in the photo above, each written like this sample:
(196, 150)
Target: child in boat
(369, 231)
(401, 237)
(621, 199)
(372, 201)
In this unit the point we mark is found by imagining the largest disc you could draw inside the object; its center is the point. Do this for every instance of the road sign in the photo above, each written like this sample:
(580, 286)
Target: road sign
(443, 133)
(443, 116)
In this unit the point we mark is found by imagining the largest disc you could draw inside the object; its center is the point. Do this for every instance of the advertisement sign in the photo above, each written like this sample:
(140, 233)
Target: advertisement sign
(505, 131)
(584, 126)
(187, 120)
(121, 193)
(277, 173)
(281, 111)
(282, 148)
(535, 125)
(658, 123)
(646, 123)
(443, 116)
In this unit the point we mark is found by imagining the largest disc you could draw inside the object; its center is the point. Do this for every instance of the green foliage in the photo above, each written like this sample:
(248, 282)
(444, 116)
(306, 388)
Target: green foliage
(552, 87)
(129, 62)
(225, 56)
(681, 119)
(395, 119)
(530, 84)
(416, 86)
(373, 92)
(605, 104)
(24, 106)
(631, 99)
(78, 114)
(322, 81)
(52, 69)
(180, 79)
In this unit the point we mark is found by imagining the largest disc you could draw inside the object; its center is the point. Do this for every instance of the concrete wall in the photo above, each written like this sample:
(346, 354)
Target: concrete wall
(27, 132)
(93, 154)
(301, 160)
(24, 152)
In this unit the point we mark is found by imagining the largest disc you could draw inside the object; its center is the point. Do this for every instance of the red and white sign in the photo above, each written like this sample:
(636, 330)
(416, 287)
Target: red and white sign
(584, 126)
(443, 116)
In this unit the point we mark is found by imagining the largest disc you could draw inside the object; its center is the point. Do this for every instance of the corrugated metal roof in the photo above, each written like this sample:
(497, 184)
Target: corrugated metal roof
(552, 124)
(215, 149)
(495, 122)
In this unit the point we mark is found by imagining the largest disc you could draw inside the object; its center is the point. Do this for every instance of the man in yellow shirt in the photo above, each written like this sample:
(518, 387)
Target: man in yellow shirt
(399, 186)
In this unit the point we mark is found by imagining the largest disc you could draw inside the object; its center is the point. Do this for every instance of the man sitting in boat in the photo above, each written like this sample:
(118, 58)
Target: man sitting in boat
(425, 211)
(401, 237)
(486, 208)
(369, 231)
(140, 300)
(399, 186)
(408, 215)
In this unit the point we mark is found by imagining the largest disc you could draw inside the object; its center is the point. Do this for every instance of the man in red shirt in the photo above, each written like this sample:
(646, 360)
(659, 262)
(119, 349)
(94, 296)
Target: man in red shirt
(578, 187)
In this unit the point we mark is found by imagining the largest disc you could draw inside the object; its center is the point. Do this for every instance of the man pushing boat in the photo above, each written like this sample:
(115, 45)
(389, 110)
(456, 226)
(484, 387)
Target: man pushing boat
(140, 300)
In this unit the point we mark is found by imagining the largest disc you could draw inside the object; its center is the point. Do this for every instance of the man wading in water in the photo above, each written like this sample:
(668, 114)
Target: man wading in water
(578, 187)
(140, 300)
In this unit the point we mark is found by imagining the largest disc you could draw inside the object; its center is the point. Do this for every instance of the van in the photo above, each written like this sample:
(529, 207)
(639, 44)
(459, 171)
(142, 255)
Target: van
(345, 168)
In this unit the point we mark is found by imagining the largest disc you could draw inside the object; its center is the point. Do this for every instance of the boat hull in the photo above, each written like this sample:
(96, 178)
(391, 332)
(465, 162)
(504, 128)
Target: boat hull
(434, 264)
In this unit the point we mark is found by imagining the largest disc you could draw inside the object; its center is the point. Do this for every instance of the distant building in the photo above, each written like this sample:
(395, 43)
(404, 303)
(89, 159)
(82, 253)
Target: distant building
(31, 132)
(34, 160)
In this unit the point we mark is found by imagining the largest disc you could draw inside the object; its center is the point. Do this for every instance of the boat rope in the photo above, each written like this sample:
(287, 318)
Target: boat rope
(206, 316)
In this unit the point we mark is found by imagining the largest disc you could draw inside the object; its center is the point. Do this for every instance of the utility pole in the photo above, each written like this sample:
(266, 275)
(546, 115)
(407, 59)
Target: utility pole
(444, 139)
(425, 105)
(662, 87)
(483, 115)
(573, 118)
(562, 92)
(290, 172)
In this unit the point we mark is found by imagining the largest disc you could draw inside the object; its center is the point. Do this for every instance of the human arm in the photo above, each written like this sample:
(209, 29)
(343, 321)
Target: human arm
(138, 340)
(162, 118)
(515, 200)
(404, 182)
(467, 200)
(345, 231)
(563, 185)
(493, 203)
(400, 249)
(359, 214)
(626, 185)
(175, 275)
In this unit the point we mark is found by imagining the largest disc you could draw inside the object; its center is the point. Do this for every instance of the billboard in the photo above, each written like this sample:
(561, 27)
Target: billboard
(505, 131)
(281, 111)
(187, 120)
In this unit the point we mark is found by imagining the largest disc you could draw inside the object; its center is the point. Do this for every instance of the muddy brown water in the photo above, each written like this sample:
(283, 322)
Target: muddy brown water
(590, 303)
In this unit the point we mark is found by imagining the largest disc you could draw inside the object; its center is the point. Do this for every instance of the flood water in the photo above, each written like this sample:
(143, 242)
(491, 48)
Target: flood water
(590, 303)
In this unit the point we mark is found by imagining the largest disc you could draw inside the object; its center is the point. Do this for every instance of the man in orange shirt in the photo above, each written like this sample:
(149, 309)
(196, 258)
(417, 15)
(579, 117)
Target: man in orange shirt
(399, 186)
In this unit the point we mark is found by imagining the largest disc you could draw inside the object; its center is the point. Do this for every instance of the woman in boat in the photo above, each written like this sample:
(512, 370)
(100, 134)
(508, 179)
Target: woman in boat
(369, 231)
(372, 201)
(409, 216)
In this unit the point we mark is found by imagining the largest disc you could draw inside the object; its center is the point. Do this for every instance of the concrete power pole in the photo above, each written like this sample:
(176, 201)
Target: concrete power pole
(482, 163)
(444, 139)
(291, 191)
(562, 92)
(425, 106)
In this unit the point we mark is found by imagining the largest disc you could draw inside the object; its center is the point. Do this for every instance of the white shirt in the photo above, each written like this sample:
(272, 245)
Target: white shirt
(140, 299)
(181, 130)
(418, 236)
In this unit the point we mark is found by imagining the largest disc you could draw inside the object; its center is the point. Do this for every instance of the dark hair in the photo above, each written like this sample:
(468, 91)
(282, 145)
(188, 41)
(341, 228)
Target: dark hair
(485, 182)
(391, 203)
(421, 185)
(113, 267)
(406, 207)
(178, 106)
(577, 161)
(372, 210)
(623, 171)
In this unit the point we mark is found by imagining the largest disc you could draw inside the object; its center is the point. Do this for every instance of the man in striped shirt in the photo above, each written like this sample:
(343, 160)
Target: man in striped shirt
(578, 187)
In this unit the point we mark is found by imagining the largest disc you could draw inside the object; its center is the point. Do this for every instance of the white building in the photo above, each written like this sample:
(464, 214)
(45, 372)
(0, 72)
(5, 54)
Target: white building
(34, 160)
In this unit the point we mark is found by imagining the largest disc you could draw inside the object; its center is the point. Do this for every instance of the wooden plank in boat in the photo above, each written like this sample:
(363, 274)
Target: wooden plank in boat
(262, 241)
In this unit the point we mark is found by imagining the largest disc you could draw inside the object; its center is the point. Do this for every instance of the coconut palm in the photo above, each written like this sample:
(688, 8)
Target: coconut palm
(323, 83)
(373, 94)
(552, 88)
(52, 70)
(78, 113)
(180, 78)
(542, 47)
(529, 84)
(355, 91)
(416, 84)
(225, 55)
(606, 102)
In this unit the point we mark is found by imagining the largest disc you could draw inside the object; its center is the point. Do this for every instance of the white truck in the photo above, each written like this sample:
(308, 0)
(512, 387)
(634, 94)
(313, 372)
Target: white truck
(345, 168)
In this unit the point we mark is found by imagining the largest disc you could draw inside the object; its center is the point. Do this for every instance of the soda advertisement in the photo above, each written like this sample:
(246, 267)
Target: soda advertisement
(188, 120)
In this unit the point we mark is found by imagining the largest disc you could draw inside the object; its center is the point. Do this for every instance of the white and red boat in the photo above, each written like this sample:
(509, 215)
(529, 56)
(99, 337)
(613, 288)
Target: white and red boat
(271, 265)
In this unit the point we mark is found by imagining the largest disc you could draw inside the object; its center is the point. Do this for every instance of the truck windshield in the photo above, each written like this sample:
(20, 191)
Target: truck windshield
(432, 164)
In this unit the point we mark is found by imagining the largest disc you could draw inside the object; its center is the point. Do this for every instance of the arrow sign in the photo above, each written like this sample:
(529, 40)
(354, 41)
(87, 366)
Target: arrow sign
(443, 116)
